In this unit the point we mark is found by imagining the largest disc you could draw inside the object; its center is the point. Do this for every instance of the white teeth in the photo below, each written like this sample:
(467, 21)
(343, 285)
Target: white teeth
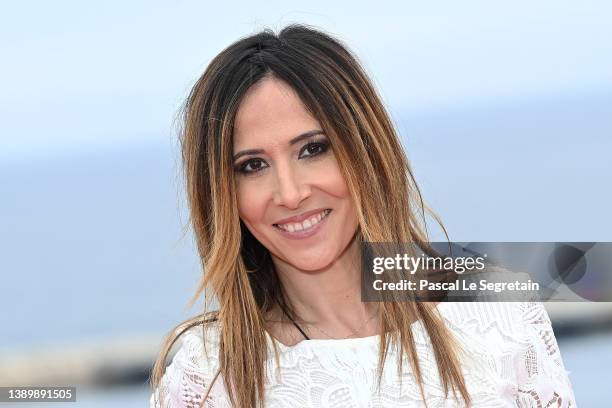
(304, 225)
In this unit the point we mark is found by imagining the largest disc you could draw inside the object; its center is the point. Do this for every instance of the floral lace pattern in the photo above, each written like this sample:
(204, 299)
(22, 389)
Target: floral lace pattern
(509, 357)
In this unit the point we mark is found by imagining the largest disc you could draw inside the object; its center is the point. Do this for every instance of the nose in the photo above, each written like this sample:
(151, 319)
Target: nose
(291, 188)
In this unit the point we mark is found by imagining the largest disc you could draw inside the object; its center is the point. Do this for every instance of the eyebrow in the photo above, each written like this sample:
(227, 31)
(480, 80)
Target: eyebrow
(293, 141)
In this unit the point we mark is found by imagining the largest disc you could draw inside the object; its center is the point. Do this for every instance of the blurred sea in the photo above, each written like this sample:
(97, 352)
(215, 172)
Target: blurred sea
(92, 245)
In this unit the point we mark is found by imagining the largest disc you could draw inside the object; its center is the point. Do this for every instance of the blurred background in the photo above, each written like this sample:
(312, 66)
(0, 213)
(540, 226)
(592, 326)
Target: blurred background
(505, 110)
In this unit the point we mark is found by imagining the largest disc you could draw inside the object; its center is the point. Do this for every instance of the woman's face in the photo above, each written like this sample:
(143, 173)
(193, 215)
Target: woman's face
(291, 194)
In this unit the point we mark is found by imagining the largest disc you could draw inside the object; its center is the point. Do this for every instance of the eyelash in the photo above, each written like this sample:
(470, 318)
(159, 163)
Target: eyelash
(323, 145)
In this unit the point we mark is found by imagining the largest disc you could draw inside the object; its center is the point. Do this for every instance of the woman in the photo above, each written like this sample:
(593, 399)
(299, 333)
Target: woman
(291, 162)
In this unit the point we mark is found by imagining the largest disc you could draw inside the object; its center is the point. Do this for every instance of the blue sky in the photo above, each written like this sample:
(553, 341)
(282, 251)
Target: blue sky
(80, 76)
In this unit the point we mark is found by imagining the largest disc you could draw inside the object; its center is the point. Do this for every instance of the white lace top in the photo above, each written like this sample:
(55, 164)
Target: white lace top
(510, 359)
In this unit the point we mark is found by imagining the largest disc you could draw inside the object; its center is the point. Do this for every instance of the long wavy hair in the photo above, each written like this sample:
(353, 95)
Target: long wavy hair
(337, 92)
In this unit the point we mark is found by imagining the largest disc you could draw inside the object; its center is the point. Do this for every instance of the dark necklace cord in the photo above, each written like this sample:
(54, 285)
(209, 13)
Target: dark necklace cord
(293, 321)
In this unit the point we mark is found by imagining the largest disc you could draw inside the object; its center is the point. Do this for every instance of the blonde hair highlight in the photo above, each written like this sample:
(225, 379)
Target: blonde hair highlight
(335, 89)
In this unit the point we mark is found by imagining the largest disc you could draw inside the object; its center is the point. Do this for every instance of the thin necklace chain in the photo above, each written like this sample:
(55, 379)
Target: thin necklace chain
(356, 332)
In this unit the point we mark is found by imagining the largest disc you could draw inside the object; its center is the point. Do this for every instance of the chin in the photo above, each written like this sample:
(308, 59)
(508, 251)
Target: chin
(311, 262)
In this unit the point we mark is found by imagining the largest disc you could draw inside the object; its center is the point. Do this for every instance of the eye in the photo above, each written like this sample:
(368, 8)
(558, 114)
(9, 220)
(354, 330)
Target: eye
(252, 166)
(313, 149)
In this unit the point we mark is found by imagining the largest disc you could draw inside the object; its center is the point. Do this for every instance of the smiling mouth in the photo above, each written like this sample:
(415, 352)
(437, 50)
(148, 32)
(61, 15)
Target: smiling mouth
(305, 225)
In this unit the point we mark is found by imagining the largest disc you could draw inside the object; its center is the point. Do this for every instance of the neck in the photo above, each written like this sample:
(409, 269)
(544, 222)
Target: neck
(329, 298)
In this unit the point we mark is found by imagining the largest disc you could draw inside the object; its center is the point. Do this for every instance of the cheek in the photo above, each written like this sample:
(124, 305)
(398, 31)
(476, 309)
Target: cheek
(332, 180)
(333, 183)
(251, 202)
(339, 187)
(336, 186)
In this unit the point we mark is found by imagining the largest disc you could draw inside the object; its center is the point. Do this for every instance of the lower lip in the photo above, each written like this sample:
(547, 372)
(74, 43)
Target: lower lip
(304, 233)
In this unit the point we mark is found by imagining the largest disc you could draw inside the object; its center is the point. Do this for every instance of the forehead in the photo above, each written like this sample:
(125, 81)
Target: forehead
(270, 113)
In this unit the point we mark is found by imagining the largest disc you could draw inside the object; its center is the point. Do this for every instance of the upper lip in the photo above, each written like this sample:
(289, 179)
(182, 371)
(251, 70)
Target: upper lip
(301, 217)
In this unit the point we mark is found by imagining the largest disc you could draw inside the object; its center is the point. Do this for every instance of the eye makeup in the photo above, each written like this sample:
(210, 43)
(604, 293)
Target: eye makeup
(315, 146)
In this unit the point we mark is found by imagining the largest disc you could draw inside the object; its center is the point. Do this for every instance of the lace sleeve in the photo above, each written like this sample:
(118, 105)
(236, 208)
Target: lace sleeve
(542, 378)
(187, 378)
